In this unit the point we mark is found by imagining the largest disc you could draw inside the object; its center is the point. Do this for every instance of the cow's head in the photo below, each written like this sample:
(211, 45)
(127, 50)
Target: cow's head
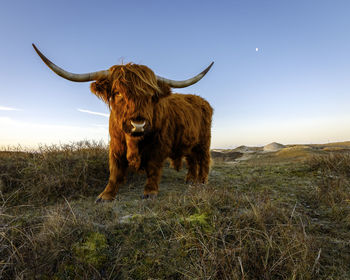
(130, 91)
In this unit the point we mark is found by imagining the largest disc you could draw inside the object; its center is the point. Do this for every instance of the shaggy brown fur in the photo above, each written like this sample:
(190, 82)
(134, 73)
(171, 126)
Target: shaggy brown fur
(176, 126)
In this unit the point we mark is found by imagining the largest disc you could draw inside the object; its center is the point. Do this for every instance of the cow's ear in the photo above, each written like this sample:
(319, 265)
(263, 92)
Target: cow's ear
(164, 91)
(102, 89)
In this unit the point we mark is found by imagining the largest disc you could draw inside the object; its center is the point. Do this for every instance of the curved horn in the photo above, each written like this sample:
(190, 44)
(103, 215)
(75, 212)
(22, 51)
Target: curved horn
(71, 76)
(185, 83)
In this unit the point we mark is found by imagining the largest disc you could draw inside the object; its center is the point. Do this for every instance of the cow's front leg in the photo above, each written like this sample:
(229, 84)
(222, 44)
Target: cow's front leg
(117, 172)
(132, 153)
(153, 171)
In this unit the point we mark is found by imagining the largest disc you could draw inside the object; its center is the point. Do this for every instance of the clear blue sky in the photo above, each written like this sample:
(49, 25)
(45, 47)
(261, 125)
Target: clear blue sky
(295, 88)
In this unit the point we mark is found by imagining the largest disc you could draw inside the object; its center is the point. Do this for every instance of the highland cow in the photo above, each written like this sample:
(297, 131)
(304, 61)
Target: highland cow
(148, 124)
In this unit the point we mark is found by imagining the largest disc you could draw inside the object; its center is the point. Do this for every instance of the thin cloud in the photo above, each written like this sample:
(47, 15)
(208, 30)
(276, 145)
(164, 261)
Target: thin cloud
(30, 134)
(100, 125)
(93, 113)
(3, 108)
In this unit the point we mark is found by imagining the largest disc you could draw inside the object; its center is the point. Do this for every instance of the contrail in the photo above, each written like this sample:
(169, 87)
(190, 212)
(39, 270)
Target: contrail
(92, 113)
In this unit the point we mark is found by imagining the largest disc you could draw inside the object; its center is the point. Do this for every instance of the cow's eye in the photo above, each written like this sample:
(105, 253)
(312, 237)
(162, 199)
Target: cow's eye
(117, 93)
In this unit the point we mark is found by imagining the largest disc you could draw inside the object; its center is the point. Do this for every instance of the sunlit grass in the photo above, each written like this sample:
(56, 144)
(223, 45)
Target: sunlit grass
(254, 220)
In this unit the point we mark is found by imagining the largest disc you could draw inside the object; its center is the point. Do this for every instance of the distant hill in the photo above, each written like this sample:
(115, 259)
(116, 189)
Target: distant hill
(276, 151)
(273, 147)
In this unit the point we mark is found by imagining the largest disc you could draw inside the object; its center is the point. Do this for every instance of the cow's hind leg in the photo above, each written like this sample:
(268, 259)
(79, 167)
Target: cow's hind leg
(192, 166)
(177, 163)
(204, 165)
(198, 164)
(153, 171)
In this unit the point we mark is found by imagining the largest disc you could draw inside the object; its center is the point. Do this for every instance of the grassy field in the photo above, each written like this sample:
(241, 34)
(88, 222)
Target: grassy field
(276, 216)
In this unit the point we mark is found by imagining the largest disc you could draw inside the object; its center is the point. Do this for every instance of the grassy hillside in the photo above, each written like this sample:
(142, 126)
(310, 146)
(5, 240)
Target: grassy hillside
(257, 219)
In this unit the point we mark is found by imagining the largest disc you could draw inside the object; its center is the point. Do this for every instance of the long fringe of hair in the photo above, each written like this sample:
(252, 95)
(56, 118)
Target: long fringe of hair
(135, 80)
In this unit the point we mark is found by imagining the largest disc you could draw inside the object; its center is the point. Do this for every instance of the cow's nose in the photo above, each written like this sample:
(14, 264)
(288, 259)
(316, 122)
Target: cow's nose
(137, 126)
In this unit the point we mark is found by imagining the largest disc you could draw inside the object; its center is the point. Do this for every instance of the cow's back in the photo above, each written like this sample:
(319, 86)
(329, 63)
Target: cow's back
(182, 122)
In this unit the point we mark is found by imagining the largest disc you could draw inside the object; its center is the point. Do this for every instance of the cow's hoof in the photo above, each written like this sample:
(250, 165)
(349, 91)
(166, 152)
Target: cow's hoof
(104, 197)
(99, 200)
(149, 196)
(190, 181)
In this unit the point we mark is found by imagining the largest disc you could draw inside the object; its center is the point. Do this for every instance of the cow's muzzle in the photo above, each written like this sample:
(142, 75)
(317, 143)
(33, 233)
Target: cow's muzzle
(138, 126)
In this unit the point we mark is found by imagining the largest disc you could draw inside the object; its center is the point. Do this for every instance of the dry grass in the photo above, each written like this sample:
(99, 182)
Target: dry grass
(333, 163)
(53, 172)
(252, 221)
(332, 187)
